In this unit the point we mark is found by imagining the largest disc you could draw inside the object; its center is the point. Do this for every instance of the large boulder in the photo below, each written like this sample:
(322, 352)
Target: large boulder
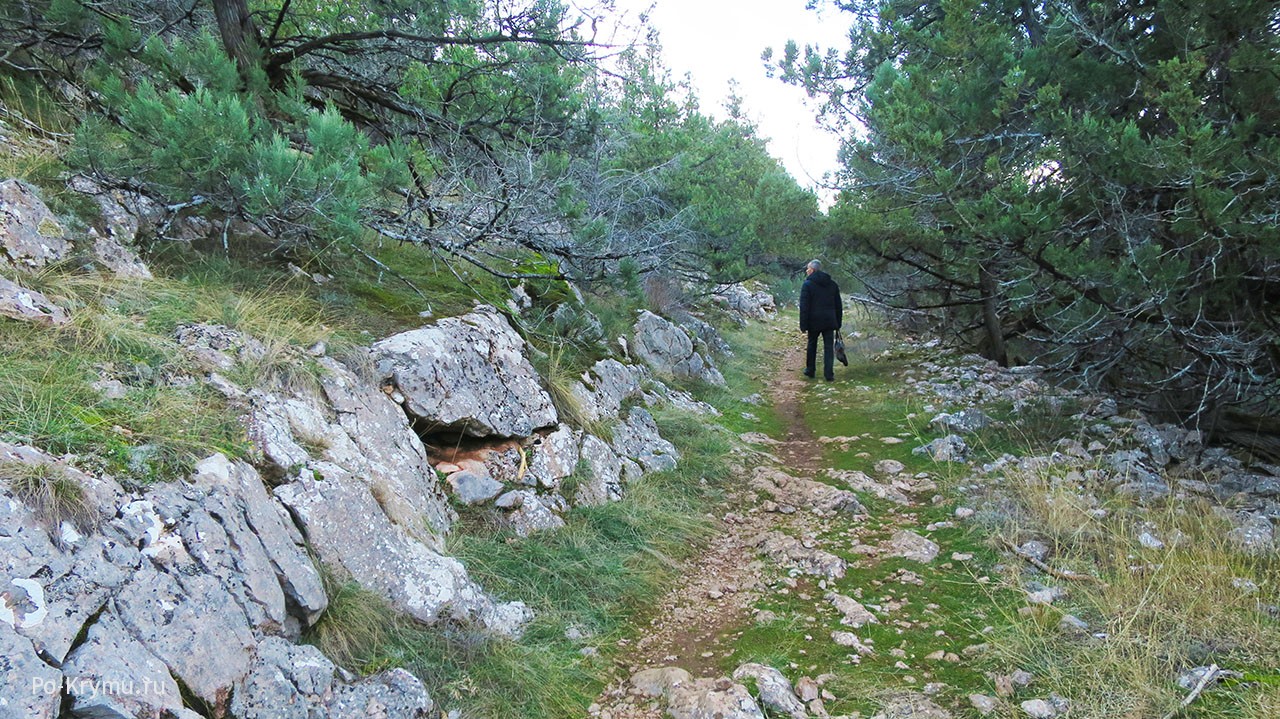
(263, 541)
(57, 577)
(190, 622)
(113, 675)
(29, 687)
(466, 375)
(668, 350)
(30, 236)
(358, 429)
(348, 527)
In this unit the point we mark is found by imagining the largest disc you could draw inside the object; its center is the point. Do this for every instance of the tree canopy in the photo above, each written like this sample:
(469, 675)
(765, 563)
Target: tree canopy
(469, 127)
(1093, 185)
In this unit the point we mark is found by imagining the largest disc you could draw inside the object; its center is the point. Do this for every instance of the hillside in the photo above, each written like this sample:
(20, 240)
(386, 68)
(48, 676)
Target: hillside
(404, 360)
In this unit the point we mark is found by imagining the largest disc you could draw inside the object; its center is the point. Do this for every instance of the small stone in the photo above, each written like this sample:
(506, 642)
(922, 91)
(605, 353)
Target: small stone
(1039, 709)
(1034, 549)
(1072, 624)
(1246, 586)
(983, 703)
(890, 467)
(1150, 541)
(964, 512)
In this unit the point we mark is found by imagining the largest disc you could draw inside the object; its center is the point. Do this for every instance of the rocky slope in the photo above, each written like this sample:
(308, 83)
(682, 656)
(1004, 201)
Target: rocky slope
(122, 599)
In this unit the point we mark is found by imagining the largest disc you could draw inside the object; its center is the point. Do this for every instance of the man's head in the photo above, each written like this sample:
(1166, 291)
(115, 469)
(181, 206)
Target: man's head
(812, 267)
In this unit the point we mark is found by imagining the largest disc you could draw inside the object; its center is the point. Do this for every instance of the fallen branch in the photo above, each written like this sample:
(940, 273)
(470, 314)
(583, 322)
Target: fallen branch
(1209, 675)
(1058, 573)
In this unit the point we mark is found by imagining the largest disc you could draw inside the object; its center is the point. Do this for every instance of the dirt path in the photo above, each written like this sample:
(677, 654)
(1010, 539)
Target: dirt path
(693, 624)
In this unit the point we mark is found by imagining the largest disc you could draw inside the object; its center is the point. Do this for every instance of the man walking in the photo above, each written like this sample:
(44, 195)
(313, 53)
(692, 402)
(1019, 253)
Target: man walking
(820, 314)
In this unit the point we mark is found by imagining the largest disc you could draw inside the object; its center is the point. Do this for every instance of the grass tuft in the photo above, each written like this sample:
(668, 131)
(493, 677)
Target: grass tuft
(51, 493)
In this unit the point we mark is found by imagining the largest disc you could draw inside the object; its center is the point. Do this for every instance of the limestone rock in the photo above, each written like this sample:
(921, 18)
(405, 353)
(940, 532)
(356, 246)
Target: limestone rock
(526, 513)
(689, 698)
(966, 421)
(605, 387)
(217, 347)
(668, 350)
(658, 681)
(776, 692)
(358, 429)
(909, 545)
(124, 213)
(29, 688)
(191, 624)
(708, 337)
(890, 467)
(467, 374)
(911, 706)
(349, 529)
(603, 474)
(27, 305)
(473, 487)
(298, 682)
(852, 613)
(122, 261)
(113, 675)
(553, 456)
(637, 438)
(798, 492)
(860, 482)
(30, 236)
(746, 302)
(1254, 534)
(287, 681)
(393, 693)
(54, 585)
(983, 703)
(1039, 709)
(264, 536)
(945, 449)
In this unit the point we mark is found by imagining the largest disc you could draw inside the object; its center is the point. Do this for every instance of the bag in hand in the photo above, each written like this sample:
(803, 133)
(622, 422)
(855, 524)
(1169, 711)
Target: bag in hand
(839, 350)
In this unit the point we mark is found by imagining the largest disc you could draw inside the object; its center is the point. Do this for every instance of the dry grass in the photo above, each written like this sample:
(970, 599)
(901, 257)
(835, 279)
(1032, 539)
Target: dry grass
(51, 493)
(1158, 611)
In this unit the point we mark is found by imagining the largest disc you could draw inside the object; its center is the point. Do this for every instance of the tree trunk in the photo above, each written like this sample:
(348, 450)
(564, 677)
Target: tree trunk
(993, 346)
(239, 36)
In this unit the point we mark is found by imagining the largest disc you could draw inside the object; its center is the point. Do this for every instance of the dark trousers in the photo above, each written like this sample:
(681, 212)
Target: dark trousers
(828, 354)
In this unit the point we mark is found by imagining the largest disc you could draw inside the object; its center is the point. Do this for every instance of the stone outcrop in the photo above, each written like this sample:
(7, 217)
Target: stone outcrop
(745, 302)
(291, 681)
(30, 236)
(466, 375)
(27, 305)
(179, 586)
(669, 351)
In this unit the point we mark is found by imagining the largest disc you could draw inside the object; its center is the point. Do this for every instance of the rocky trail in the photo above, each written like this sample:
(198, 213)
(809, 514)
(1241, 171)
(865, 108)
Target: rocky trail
(872, 568)
(781, 536)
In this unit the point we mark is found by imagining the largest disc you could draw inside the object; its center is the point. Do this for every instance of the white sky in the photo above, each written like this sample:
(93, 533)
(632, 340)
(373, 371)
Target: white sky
(716, 41)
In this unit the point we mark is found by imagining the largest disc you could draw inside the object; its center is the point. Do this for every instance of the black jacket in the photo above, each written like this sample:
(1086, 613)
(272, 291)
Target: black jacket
(820, 307)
